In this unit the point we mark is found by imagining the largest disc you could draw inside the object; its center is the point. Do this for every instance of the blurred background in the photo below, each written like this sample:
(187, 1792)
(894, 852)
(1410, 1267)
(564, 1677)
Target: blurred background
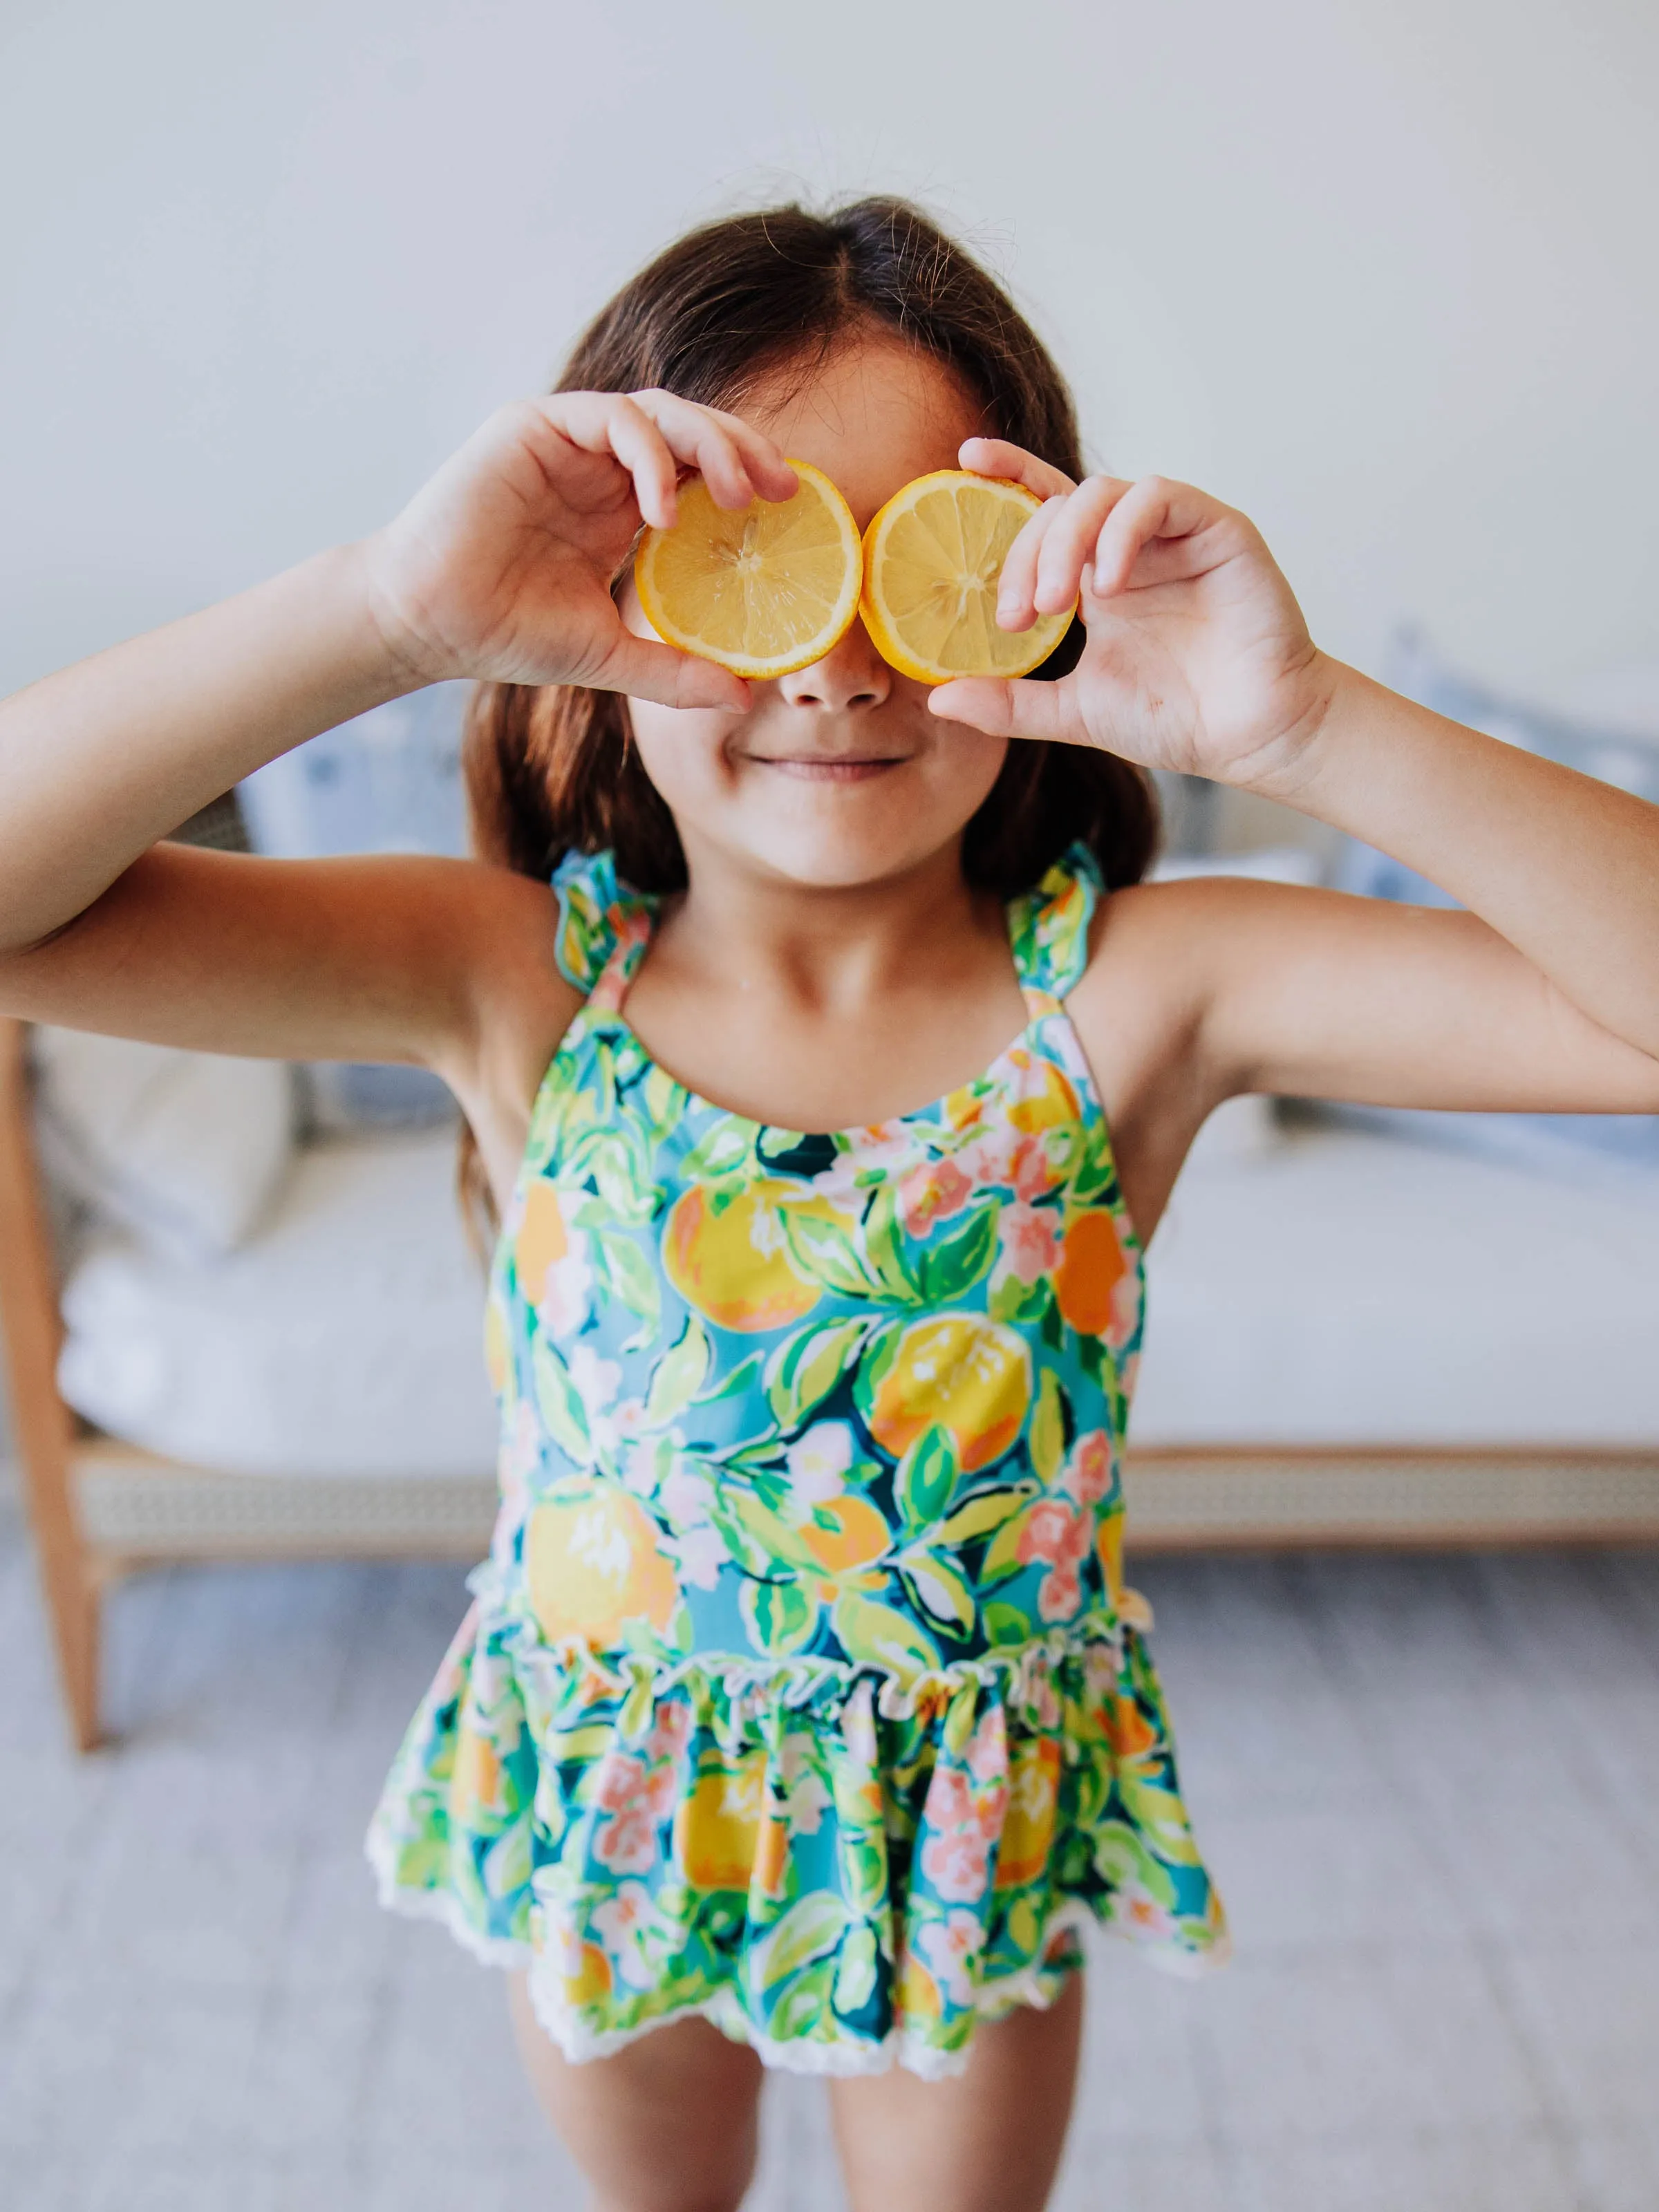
(1384, 277)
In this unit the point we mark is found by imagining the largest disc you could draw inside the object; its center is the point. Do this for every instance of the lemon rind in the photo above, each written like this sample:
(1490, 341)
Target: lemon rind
(757, 668)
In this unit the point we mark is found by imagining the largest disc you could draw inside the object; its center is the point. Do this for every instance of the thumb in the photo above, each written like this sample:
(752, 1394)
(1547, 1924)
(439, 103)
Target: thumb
(646, 669)
(1003, 709)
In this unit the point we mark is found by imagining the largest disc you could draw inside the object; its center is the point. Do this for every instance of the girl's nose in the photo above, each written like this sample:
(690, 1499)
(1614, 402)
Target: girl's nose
(852, 674)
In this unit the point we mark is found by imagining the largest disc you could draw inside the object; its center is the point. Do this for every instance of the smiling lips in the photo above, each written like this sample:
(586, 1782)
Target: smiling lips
(829, 768)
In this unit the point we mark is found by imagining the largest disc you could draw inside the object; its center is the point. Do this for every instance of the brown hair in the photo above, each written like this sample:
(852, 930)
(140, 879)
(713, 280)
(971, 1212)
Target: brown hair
(550, 769)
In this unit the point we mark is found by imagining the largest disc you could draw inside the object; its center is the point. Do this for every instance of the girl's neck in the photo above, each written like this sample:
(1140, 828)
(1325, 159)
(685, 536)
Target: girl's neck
(829, 949)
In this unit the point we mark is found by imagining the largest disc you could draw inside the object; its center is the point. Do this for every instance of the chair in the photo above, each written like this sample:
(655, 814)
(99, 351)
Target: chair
(100, 1509)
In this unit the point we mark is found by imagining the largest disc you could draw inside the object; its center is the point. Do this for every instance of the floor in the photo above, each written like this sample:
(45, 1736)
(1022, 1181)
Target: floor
(1429, 1788)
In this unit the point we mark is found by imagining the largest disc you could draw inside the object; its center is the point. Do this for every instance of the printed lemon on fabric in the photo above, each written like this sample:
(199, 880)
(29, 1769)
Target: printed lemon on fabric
(800, 1690)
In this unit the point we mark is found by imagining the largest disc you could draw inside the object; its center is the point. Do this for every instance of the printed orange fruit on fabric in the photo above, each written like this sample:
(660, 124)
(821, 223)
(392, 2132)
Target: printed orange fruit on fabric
(735, 1265)
(594, 1562)
(762, 589)
(965, 1374)
(931, 559)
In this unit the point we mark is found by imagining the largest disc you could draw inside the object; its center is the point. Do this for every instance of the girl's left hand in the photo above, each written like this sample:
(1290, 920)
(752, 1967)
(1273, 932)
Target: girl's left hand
(1197, 656)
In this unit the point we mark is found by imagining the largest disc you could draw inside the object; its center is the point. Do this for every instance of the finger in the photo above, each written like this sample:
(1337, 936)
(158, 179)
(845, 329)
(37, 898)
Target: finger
(700, 439)
(768, 467)
(646, 669)
(997, 457)
(1069, 542)
(1006, 709)
(609, 423)
(1155, 508)
(1016, 585)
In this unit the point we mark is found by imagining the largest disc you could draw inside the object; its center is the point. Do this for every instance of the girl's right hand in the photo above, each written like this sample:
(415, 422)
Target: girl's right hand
(502, 566)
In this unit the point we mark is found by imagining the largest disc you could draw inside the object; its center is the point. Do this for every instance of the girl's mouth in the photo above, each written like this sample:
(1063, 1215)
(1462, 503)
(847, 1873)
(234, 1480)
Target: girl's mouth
(821, 768)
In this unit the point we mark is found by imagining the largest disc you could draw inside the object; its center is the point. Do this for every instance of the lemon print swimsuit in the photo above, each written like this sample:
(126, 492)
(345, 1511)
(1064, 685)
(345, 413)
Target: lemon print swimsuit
(801, 1689)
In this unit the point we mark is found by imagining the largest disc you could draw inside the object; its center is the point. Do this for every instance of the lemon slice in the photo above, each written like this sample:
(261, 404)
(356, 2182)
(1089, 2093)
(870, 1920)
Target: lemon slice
(932, 558)
(761, 589)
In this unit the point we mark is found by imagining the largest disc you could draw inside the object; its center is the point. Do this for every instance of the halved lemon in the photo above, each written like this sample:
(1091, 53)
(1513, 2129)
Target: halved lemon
(931, 559)
(762, 589)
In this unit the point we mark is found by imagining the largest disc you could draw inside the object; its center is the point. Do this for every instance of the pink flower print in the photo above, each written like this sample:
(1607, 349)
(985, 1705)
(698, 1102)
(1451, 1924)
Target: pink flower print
(1030, 1245)
(702, 1552)
(619, 1781)
(624, 1783)
(805, 1798)
(1141, 1915)
(989, 1160)
(951, 1947)
(1086, 1476)
(596, 1380)
(1031, 1170)
(686, 1494)
(817, 1463)
(671, 1732)
(988, 1747)
(933, 1192)
(563, 1305)
(950, 1801)
(1060, 1595)
(627, 1843)
(1055, 1532)
(958, 1861)
(623, 1922)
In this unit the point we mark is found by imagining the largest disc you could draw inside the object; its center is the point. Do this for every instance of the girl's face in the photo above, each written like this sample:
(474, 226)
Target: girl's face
(836, 775)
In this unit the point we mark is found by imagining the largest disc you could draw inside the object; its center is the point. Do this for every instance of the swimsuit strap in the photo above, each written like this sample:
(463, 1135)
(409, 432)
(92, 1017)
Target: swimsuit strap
(605, 926)
(1048, 929)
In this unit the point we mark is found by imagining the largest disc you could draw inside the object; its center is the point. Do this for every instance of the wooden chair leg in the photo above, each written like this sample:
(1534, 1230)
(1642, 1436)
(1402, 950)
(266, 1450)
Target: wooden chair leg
(31, 1329)
(74, 1612)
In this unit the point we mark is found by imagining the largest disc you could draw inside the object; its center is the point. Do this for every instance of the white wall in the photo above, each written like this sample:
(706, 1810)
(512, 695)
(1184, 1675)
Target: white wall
(1383, 275)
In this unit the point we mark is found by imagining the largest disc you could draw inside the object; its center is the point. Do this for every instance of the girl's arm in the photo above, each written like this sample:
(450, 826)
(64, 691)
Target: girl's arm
(1544, 995)
(500, 568)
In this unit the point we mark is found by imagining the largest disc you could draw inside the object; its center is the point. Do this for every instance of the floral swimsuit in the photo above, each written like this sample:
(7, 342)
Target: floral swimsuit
(801, 1689)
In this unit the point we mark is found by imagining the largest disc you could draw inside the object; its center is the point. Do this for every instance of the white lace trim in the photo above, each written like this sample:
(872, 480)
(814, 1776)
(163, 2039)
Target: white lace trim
(841, 2054)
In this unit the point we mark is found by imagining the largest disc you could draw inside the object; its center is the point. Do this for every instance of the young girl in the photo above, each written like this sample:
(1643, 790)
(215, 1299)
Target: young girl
(802, 1717)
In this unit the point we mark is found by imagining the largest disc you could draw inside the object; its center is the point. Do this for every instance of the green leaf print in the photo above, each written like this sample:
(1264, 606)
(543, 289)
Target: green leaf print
(781, 1617)
(559, 1403)
(727, 1147)
(1002, 1557)
(806, 1367)
(1009, 1299)
(938, 1589)
(1004, 1623)
(507, 1863)
(875, 1635)
(1121, 1858)
(1160, 1814)
(926, 1476)
(803, 2012)
(986, 1511)
(855, 1975)
(762, 1539)
(679, 1376)
(739, 1383)
(956, 1262)
(1047, 1428)
(664, 1100)
(824, 1251)
(883, 1245)
(630, 1273)
(808, 1929)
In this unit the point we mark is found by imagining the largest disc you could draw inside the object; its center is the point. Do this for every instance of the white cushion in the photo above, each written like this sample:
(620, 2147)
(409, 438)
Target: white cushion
(1356, 1289)
(185, 1149)
(345, 1338)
